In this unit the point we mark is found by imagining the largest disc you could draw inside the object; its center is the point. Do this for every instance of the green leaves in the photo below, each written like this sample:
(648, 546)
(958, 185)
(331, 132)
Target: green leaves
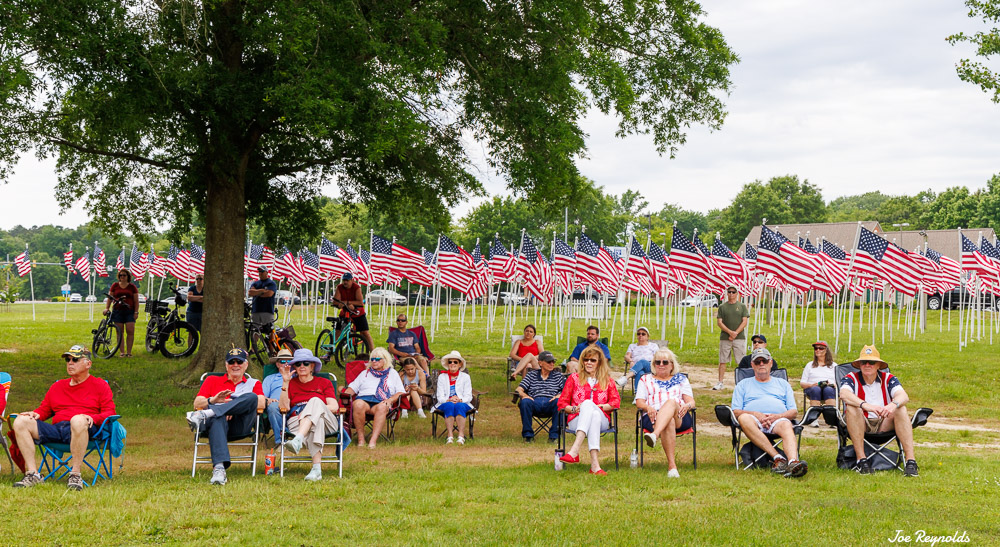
(987, 43)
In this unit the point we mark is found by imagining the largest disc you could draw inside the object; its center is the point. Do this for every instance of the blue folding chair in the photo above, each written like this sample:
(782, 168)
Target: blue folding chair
(56, 456)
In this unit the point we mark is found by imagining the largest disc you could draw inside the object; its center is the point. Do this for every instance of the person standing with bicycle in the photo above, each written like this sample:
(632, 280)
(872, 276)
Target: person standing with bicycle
(195, 297)
(351, 302)
(262, 310)
(125, 297)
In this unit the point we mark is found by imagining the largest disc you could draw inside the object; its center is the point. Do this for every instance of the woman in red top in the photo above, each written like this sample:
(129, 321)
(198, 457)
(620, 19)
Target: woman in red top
(126, 311)
(525, 351)
(311, 404)
(588, 398)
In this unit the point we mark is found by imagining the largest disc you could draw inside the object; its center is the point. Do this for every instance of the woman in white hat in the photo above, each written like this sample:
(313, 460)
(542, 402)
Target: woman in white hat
(311, 404)
(454, 395)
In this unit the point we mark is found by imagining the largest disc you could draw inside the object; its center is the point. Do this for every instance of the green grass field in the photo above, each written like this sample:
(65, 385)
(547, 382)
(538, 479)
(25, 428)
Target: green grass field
(498, 490)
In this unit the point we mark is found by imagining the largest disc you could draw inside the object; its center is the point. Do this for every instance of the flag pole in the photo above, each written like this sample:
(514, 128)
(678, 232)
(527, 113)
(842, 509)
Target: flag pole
(68, 270)
(31, 281)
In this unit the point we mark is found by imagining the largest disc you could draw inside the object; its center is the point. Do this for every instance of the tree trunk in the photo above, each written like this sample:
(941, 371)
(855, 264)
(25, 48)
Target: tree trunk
(225, 236)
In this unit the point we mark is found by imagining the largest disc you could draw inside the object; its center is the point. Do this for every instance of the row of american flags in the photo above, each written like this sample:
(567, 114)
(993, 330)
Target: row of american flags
(689, 264)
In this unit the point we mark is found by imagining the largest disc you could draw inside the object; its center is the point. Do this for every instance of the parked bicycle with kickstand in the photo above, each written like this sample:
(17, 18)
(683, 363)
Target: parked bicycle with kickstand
(340, 343)
(107, 336)
(264, 341)
(167, 331)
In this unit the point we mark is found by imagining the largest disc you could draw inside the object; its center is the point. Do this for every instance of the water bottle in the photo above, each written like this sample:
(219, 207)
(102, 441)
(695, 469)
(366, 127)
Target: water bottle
(559, 463)
(634, 459)
(269, 463)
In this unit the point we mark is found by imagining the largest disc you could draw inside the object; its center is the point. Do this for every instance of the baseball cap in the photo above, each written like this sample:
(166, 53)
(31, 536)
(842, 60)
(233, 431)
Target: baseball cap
(547, 356)
(236, 353)
(261, 268)
(760, 337)
(758, 353)
(77, 351)
(347, 275)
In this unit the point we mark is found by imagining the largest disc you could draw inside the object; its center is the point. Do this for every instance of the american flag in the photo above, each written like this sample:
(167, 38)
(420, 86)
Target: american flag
(834, 266)
(197, 259)
(637, 268)
(157, 264)
(251, 261)
(989, 250)
(329, 260)
(455, 266)
(411, 264)
(768, 252)
(684, 256)
(137, 262)
(534, 269)
(799, 268)
(83, 266)
(381, 254)
(931, 272)
(347, 260)
(750, 255)
(267, 258)
(100, 262)
(68, 260)
(120, 261)
(594, 265)
(951, 271)
(975, 261)
(890, 262)
(481, 282)
(284, 264)
(373, 276)
(174, 266)
(499, 260)
(564, 266)
(310, 265)
(729, 261)
(23, 263)
(526, 255)
(360, 267)
(659, 268)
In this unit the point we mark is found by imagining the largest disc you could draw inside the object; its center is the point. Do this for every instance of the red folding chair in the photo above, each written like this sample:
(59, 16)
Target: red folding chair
(352, 370)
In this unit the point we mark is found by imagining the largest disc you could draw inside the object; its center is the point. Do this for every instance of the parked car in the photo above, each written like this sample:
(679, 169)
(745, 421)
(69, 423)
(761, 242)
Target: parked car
(423, 298)
(385, 296)
(959, 296)
(509, 298)
(285, 297)
(142, 298)
(75, 297)
(706, 301)
(91, 298)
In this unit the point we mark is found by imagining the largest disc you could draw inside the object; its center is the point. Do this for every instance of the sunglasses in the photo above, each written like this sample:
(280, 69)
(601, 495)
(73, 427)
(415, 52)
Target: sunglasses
(590, 360)
(74, 359)
(235, 362)
(641, 334)
(375, 359)
(284, 361)
(760, 362)
(863, 363)
(731, 292)
(122, 277)
(401, 320)
(301, 364)
(661, 363)
(454, 362)
(200, 279)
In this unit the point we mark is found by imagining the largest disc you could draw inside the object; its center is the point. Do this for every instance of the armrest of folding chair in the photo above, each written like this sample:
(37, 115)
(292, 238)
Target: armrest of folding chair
(830, 415)
(725, 415)
(812, 413)
(920, 417)
(107, 423)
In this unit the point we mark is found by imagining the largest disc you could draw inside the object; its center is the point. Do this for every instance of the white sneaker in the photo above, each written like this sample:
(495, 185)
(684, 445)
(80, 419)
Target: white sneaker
(450, 440)
(718, 386)
(196, 419)
(650, 439)
(294, 445)
(673, 474)
(621, 381)
(218, 476)
(461, 440)
(314, 475)
(420, 412)
(405, 414)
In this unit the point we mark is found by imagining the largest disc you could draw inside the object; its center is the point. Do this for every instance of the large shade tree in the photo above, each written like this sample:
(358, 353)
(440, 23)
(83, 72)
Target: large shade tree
(224, 111)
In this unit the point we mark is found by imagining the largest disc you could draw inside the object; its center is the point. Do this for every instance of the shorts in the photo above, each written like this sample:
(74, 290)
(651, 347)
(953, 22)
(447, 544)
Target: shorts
(59, 433)
(647, 424)
(371, 399)
(732, 349)
(262, 318)
(360, 323)
(769, 430)
(122, 316)
(872, 425)
(193, 318)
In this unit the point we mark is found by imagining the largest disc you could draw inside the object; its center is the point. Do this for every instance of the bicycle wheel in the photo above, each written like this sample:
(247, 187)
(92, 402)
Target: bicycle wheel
(348, 351)
(106, 340)
(257, 346)
(324, 345)
(152, 334)
(178, 339)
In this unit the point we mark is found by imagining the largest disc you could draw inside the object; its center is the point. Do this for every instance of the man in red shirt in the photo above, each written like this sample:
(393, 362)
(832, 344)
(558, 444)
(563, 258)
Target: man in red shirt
(226, 408)
(77, 405)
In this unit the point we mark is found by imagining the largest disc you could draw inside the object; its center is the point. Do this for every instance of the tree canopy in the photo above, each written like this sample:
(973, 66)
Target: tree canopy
(986, 42)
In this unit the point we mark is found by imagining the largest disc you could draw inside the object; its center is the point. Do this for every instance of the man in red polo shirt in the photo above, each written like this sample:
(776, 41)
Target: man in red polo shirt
(77, 405)
(226, 407)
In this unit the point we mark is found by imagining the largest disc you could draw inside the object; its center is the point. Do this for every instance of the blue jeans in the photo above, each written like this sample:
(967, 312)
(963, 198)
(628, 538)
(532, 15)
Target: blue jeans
(815, 393)
(543, 408)
(274, 417)
(640, 368)
(243, 409)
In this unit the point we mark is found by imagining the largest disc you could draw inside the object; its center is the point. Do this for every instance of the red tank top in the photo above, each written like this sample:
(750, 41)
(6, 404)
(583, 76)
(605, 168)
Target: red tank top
(523, 349)
(346, 295)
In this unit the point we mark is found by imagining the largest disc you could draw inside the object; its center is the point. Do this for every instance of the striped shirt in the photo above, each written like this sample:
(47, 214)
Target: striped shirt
(535, 386)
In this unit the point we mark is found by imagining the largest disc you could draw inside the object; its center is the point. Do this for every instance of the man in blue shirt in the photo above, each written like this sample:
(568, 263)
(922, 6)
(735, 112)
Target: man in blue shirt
(593, 339)
(404, 343)
(539, 396)
(262, 310)
(766, 406)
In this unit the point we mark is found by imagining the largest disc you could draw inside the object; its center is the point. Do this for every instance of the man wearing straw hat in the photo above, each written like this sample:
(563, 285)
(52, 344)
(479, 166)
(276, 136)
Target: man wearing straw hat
(875, 402)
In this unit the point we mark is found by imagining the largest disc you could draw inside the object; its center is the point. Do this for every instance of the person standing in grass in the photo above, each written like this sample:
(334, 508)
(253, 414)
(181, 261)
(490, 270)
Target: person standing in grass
(588, 398)
(415, 384)
(665, 397)
(732, 318)
(125, 310)
(311, 404)
(78, 405)
(454, 395)
(195, 298)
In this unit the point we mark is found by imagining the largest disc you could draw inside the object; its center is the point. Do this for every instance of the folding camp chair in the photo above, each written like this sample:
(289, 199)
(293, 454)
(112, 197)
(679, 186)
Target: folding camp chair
(4, 391)
(512, 363)
(252, 439)
(876, 444)
(580, 340)
(612, 429)
(338, 453)
(57, 460)
(693, 431)
(425, 347)
(351, 371)
(436, 414)
(752, 455)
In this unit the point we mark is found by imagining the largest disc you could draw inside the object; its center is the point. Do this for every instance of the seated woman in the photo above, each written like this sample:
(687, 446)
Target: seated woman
(638, 357)
(377, 388)
(525, 351)
(311, 404)
(415, 386)
(819, 378)
(454, 395)
(588, 398)
(666, 397)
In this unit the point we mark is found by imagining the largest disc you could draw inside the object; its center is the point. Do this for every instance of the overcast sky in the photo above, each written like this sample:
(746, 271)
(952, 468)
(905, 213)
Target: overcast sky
(853, 96)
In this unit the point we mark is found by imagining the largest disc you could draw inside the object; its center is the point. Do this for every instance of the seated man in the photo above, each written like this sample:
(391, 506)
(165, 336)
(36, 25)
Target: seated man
(875, 402)
(766, 405)
(593, 339)
(404, 343)
(78, 405)
(539, 391)
(272, 393)
(758, 341)
(226, 407)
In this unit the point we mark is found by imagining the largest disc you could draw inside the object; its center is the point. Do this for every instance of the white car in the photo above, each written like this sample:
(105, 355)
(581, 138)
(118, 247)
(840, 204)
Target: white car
(142, 298)
(509, 298)
(91, 298)
(385, 296)
(75, 297)
(706, 301)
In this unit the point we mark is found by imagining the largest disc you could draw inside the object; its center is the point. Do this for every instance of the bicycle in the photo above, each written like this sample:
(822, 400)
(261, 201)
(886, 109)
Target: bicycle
(343, 347)
(107, 337)
(264, 341)
(167, 331)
